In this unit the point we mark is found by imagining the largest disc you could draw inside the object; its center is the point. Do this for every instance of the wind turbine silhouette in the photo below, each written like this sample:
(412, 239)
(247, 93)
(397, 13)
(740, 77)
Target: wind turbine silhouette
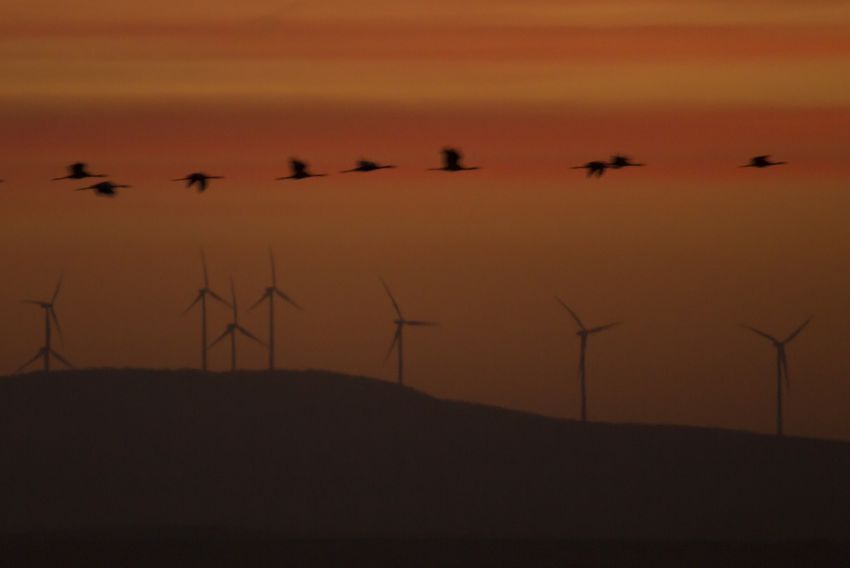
(270, 293)
(201, 299)
(198, 178)
(761, 162)
(233, 328)
(106, 188)
(398, 337)
(367, 166)
(78, 170)
(299, 170)
(452, 162)
(583, 333)
(781, 366)
(50, 317)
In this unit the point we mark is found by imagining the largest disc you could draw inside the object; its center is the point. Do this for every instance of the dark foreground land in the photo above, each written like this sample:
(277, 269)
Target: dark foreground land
(241, 466)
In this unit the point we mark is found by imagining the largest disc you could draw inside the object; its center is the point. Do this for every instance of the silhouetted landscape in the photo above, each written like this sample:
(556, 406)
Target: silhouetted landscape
(148, 454)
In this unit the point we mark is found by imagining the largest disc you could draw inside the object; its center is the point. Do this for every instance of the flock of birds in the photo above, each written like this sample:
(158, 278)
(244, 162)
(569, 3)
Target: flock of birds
(451, 157)
(452, 162)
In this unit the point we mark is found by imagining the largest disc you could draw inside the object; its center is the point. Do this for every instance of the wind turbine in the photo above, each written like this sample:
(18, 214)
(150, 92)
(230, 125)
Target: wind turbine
(398, 339)
(232, 328)
(201, 299)
(583, 333)
(50, 318)
(270, 293)
(781, 366)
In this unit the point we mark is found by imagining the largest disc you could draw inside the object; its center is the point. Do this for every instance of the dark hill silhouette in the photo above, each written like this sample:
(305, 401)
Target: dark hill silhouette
(319, 454)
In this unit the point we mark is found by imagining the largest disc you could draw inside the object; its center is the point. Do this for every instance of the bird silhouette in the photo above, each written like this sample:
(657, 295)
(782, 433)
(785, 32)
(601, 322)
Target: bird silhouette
(594, 169)
(620, 161)
(299, 170)
(762, 162)
(78, 171)
(367, 166)
(106, 188)
(199, 179)
(452, 162)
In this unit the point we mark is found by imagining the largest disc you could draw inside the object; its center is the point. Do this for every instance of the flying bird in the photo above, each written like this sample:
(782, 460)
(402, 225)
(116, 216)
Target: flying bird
(761, 162)
(781, 365)
(78, 171)
(106, 188)
(620, 161)
(452, 162)
(594, 168)
(199, 179)
(299, 170)
(367, 166)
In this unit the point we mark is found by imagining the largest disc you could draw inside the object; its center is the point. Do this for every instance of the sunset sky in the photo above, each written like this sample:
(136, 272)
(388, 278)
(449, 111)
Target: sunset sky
(683, 250)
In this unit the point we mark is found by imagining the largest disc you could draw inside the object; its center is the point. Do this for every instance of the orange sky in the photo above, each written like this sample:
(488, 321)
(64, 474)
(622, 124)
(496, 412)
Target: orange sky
(682, 250)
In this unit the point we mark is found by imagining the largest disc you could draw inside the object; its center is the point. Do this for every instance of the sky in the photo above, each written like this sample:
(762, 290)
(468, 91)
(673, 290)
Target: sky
(683, 250)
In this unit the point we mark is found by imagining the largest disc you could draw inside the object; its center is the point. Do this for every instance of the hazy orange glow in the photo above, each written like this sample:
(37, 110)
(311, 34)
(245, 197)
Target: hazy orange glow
(683, 250)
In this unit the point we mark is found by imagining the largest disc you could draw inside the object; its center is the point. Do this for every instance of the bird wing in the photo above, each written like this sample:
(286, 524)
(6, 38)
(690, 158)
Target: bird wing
(451, 157)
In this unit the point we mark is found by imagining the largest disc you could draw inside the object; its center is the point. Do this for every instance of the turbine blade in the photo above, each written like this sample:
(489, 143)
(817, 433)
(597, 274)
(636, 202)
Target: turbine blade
(274, 271)
(763, 334)
(30, 362)
(58, 287)
(62, 359)
(258, 302)
(33, 302)
(55, 319)
(797, 331)
(393, 344)
(250, 335)
(220, 337)
(604, 327)
(572, 313)
(392, 299)
(420, 323)
(286, 298)
(219, 298)
(204, 266)
(192, 305)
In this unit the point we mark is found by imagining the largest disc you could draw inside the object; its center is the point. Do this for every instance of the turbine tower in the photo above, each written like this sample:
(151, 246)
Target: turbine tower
(583, 333)
(398, 337)
(50, 319)
(781, 366)
(270, 293)
(201, 299)
(232, 328)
